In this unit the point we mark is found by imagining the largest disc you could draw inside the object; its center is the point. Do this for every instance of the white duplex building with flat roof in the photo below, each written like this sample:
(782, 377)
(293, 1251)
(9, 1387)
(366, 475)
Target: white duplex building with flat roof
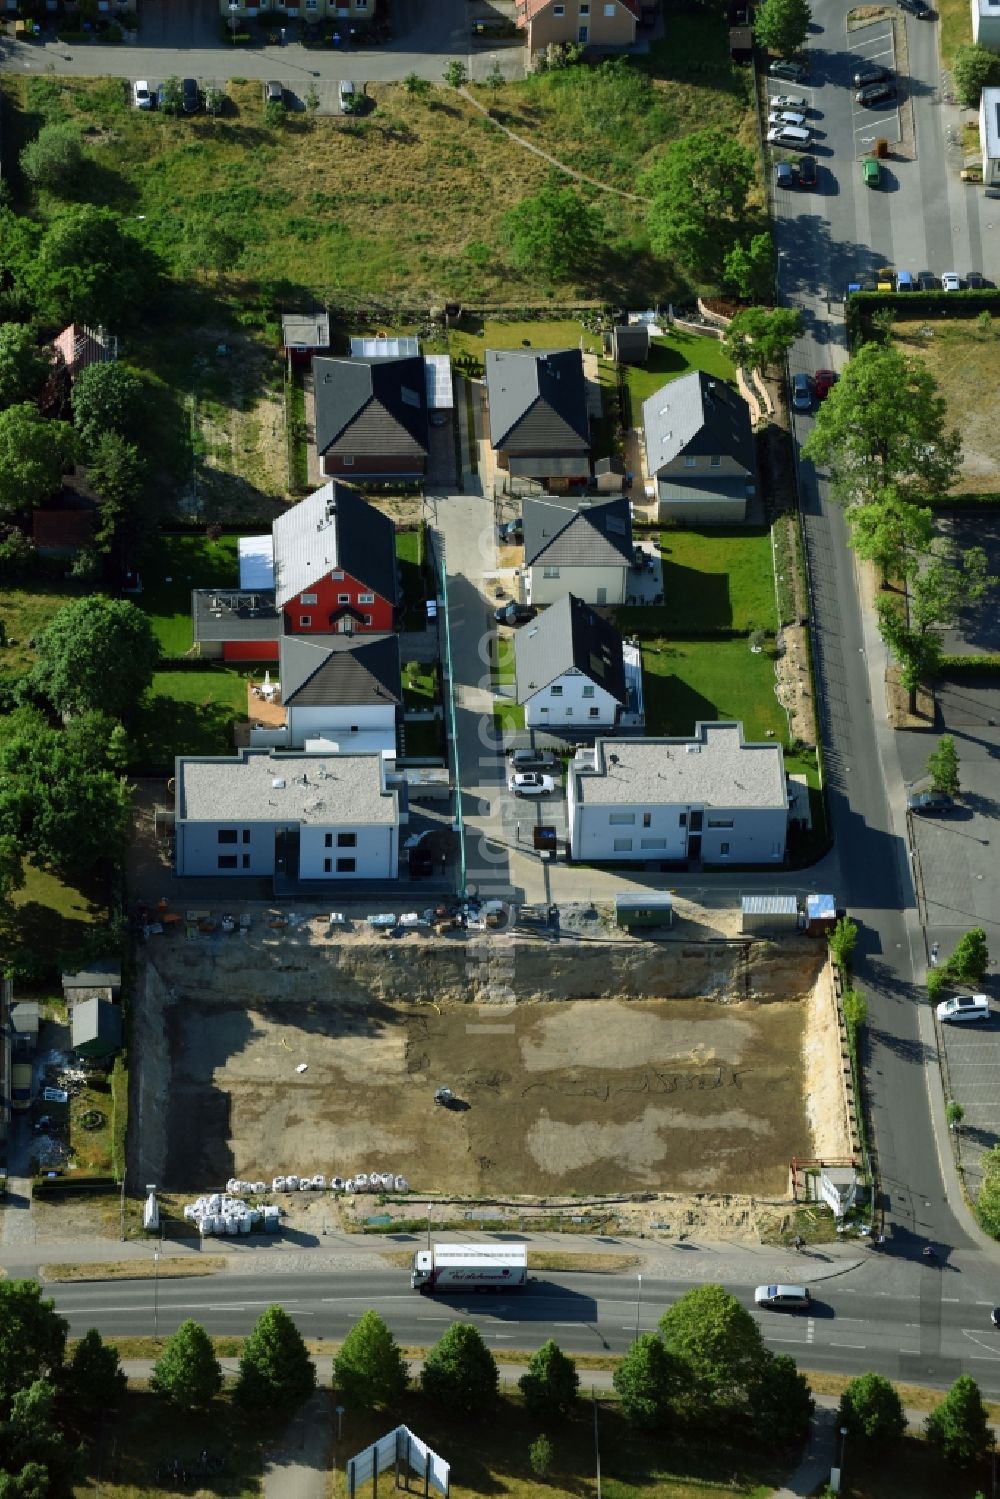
(711, 798)
(989, 128)
(315, 817)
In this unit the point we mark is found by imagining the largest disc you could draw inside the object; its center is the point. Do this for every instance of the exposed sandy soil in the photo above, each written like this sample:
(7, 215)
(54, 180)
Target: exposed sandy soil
(583, 1096)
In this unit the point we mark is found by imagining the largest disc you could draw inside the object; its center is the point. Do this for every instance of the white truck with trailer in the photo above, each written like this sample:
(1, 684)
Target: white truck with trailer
(470, 1267)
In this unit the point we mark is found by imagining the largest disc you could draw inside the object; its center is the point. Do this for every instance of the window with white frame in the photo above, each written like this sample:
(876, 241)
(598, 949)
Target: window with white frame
(343, 598)
(623, 845)
(305, 621)
(366, 598)
(550, 572)
(621, 819)
(589, 691)
(337, 577)
(308, 598)
(558, 10)
(347, 461)
(556, 691)
(609, 10)
(595, 712)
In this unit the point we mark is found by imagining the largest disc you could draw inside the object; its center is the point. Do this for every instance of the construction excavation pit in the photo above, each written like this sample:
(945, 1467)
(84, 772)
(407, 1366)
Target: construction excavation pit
(331, 1062)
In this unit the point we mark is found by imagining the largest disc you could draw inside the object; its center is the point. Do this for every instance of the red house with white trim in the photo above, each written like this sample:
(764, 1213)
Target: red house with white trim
(332, 570)
(335, 565)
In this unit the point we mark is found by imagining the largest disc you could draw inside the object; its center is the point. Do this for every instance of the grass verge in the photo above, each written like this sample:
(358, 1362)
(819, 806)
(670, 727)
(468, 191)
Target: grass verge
(717, 579)
(170, 1267)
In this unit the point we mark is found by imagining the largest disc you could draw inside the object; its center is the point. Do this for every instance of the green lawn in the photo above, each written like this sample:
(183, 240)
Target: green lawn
(48, 917)
(507, 714)
(188, 713)
(409, 555)
(670, 356)
(424, 738)
(473, 335)
(956, 28)
(688, 680)
(715, 579)
(179, 564)
(420, 684)
(25, 612)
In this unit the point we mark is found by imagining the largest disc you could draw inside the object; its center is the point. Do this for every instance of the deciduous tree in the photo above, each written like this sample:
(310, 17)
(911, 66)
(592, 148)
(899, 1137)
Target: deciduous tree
(972, 68)
(276, 1371)
(187, 1372)
(648, 1380)
(698, 190)
(23, 366)
(971, 958)
(460, 1373)
(942, 766)
(882, 428)
(718, 1342)
(960, 1425)
(917, 652)
(34, 455)
(759, 337)
(781, 1402)
(782, 25)
(988, 1200)
(370, 1369)
(550, 1384)
(35, 1460)
(90, 268)
(54, 158)
(870, 1408)
(749, 269)
(107, 398)
(456, 74)
(97, 654)
(97, 1381)
(32, 1338)
(890, 533)
(552, 232)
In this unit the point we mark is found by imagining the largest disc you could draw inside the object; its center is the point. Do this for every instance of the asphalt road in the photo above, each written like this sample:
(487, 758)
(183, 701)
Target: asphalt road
(914, 1322)
(925, 219)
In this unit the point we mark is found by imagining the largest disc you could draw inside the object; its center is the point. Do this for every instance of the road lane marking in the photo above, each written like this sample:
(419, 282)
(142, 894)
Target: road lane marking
(810, 1329)
(953, 1299)
(785, 1340)
(847, 1345)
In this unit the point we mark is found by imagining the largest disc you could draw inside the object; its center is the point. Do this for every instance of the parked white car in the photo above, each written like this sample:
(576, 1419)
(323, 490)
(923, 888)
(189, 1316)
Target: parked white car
(141, 96)
(786, 117)
(531, 783)
(789, 101)
(962, 1007)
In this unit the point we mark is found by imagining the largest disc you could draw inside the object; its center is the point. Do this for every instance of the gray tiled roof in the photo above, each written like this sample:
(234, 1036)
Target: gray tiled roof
(537, 400)
(677, 488)
(334, 529)
(340, 670)
(320, 790)
(564, 533)
(569, 634)
(370, 407)
(714, 768)
(697, 416)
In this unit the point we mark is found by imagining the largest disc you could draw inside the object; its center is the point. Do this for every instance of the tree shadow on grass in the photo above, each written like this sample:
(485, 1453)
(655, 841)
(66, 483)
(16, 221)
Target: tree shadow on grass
(165, 726)
(672, 706)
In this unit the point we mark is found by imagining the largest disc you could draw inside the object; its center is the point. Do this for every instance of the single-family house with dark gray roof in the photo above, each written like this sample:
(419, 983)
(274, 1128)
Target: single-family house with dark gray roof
(699, 451)
(576, 546)
(335, 565)
(569, 669)
(371, 417)
(345, 691)
(539, 424)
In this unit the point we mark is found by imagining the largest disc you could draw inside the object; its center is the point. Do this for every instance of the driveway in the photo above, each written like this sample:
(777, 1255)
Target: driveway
(182, 37)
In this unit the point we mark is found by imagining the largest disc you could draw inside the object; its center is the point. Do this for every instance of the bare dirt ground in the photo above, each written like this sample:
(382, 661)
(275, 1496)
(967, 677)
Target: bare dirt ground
(582, 1096)
(963, 357)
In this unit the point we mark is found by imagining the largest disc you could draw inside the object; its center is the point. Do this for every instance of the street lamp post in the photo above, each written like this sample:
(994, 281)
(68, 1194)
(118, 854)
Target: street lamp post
(156, 1294)
(638, 1303)
(234, 10)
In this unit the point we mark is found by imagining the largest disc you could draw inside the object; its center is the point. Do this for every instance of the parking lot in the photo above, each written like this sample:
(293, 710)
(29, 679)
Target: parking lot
(978, 629)
(875, 45)
(973, 1077)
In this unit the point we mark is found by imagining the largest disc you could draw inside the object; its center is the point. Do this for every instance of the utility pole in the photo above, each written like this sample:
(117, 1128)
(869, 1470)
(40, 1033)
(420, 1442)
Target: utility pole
(156, 1294)
(597, 1444)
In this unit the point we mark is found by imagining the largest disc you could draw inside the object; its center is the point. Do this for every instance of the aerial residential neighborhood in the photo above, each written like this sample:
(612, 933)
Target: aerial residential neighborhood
(499, 684)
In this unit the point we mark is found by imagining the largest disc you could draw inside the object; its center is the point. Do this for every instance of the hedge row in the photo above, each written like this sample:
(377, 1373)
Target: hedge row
(970, 666)
(69, 1186)
(991, 499)
(862, 305)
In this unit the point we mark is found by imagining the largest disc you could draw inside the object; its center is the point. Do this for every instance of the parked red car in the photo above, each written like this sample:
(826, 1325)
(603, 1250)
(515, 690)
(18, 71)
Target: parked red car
(823, 383)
